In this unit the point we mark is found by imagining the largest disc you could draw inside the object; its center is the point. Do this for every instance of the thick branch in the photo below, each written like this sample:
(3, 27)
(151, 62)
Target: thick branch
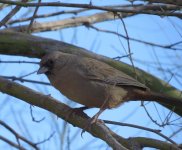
(61, 110)
(58, 108)
(12, 43)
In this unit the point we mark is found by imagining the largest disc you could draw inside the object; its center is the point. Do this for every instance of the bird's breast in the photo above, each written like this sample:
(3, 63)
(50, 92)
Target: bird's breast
(79, 89)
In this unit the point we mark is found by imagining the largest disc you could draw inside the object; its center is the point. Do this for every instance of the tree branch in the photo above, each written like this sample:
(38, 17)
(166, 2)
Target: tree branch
(61, 110)
(164, 10)
(11, 143)
(11, 14)
(70, 22)
(18, 136)
(158, 132)
(12, 43)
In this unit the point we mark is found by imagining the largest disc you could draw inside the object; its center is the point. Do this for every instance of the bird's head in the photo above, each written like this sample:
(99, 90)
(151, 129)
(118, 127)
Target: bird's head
(48, 62)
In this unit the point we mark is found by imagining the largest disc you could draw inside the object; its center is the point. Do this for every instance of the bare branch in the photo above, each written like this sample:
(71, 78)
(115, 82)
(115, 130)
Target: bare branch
(33, 118)
(31, 46)
(75, 12)
(88, 6)
(170, 46)
(11, 14)
(67, 23)
(18, 62)
(61, 110)
(147, 142)
(11, 143)
(18, 136)
(13, 78)
(140, 127)
(58, 108)
(33, 17)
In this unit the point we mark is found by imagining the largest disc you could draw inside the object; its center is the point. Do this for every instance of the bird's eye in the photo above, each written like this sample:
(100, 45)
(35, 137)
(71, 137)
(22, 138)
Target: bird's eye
(50, 62)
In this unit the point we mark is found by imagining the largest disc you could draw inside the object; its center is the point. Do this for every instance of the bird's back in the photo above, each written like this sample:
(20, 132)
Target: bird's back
(90, 82)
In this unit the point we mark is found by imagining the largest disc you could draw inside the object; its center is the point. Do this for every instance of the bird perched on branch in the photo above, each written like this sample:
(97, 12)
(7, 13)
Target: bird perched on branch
(93, 83)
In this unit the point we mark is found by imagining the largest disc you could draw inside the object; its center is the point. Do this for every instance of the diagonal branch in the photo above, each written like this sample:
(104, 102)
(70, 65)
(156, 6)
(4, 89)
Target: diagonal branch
(61, 110)
(169, 46)
(18, 136)
(12, 43)
(71, 22)
(11, 14)
(75, 12)
(12, 143)
(13, 78)
(33, 17)
(140, 127)
(63, 12)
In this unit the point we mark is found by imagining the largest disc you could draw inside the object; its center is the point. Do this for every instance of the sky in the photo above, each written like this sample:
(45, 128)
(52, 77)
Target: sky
(151, 28)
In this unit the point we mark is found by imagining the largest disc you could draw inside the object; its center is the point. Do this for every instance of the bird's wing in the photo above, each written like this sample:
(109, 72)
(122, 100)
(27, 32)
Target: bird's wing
(101, 72)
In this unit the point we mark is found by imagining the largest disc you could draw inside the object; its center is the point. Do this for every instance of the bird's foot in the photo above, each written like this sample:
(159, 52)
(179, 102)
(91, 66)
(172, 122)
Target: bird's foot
(88, 125)
(90, 122)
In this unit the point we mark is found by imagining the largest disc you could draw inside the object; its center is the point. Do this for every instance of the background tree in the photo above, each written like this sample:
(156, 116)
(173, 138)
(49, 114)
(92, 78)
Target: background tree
(145, 34)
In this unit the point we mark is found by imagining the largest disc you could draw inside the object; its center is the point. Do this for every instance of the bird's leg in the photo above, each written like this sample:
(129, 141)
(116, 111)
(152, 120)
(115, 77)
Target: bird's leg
(94, 119)
(96, 116)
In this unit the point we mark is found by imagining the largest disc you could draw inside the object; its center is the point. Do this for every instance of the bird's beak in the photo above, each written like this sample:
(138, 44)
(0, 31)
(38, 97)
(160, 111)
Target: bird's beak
(42, 70)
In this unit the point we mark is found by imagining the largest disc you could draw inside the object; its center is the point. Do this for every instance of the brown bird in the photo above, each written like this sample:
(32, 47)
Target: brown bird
(93, 83)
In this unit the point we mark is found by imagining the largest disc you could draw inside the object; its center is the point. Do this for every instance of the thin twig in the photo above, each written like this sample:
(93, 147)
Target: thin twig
(145, 9)
(171, 46)
(140, 127)
(128, 43)
(164, 123)
(10, 14)
(33, 17)
(11, 143)
(13, 78)
(47, 139)
(33, 118)
(120, 57)
(19, 62)
(17, 135)
(75, 12)
(28, 74)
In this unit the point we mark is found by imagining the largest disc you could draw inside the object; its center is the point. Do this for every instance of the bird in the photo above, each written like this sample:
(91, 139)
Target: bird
(95, 84)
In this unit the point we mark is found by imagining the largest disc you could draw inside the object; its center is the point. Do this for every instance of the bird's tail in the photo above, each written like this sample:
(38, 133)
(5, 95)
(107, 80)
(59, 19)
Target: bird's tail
(161, 98)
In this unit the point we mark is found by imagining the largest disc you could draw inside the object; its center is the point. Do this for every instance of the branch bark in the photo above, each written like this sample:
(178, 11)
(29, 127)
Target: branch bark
(67, 23)
(61, 110)
(13, 43)
(161, 10)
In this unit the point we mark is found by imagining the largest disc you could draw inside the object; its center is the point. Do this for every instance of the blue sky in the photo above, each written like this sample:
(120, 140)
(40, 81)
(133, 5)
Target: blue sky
(146, 27)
